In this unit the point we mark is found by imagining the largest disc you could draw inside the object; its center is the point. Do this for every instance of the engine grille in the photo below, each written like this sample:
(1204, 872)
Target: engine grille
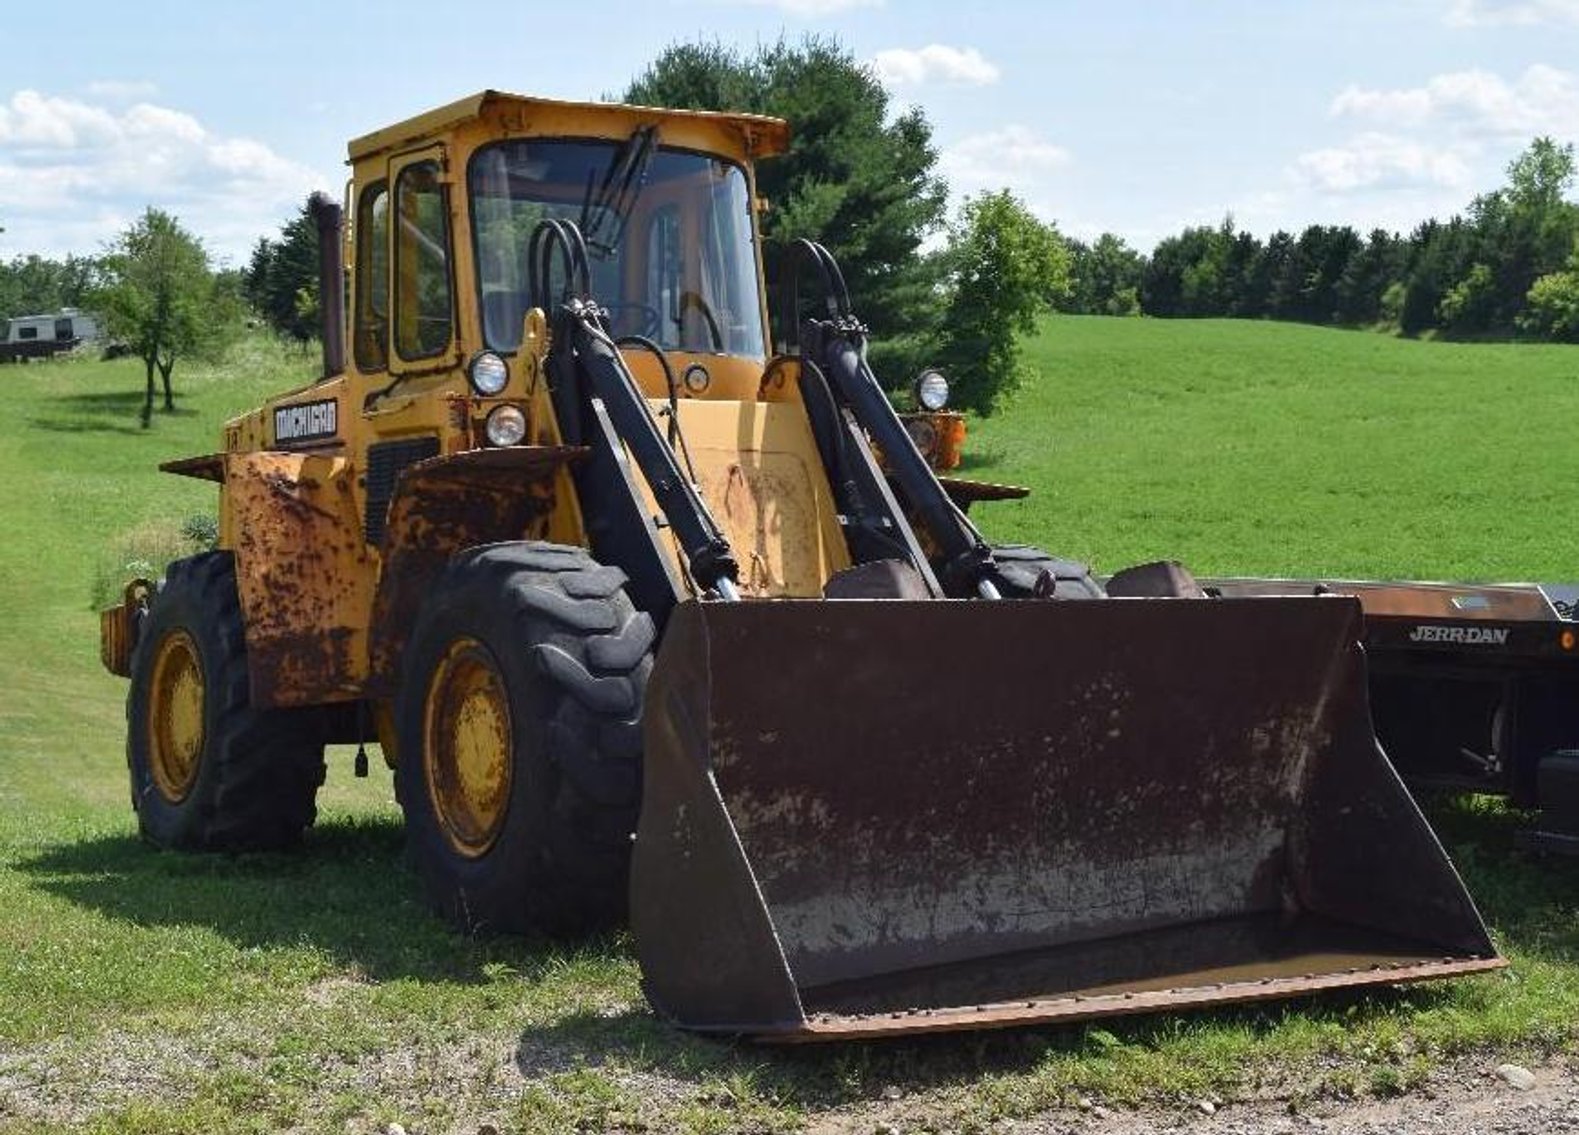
(385, 460)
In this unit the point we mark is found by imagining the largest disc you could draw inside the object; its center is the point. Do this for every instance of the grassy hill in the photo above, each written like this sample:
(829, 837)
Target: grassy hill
(1268, 448)
(149, 992)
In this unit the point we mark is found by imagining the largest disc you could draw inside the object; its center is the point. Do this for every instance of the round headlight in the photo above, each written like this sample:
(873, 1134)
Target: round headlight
(932, 390)
(506, 425)
(488, 373)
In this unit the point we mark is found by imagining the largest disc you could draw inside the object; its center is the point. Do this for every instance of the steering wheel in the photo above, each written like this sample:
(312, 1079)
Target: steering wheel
(690, 299)
(651, 321)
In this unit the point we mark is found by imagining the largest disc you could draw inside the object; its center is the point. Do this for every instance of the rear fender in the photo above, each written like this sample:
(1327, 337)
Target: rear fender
(303, 573)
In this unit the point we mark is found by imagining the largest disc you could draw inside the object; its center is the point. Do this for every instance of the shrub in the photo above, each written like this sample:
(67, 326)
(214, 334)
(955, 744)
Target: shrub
(1553, 307)
(145, 551)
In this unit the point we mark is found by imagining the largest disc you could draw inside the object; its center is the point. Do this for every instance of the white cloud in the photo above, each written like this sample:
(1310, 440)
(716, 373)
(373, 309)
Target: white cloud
(807, 8)
(1380, 161)
(119, 90)
(73, 174)
(936, 62)
(1543, 100)
(34, 122)
(1012, 155)
(1518, 13)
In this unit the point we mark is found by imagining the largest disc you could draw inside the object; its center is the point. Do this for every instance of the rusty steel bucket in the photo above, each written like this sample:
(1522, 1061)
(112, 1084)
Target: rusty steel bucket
(868, 817)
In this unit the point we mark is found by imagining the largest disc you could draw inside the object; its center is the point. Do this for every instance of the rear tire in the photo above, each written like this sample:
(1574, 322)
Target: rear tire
(519, 729)
(208, 771)
(1020, 566)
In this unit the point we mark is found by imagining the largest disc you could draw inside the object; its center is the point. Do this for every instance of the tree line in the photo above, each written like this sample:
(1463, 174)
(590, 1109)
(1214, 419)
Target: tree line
(935, 289)
(1507, 267)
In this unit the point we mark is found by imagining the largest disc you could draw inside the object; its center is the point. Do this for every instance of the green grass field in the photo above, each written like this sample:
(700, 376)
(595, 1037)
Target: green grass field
(151, 992)
(1268, 449)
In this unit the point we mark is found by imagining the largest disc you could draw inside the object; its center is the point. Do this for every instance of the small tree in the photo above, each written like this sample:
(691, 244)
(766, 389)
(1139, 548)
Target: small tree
(161, 299)
(1552, 306)
(1004, 268)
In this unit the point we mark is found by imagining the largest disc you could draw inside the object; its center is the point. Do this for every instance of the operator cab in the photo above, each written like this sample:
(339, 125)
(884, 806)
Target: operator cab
(446, 205)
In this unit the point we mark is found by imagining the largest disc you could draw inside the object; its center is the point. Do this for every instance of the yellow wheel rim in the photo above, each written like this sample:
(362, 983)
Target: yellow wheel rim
(467, 747)
(175, 718)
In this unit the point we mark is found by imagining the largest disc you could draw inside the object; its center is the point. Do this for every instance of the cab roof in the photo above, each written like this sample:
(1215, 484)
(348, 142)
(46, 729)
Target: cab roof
(762, 136)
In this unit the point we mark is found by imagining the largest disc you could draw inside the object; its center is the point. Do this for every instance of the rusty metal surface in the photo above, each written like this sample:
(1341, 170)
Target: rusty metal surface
(939, 435)
(1484, 621)
(1502, 602)
(118, 627)
(832, 1027)
(964, 492)
(302, 573)
(825, 830)
(209, 467)
(442, 506)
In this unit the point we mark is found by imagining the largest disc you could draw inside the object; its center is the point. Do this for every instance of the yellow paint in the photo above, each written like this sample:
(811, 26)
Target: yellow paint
(762, 479)
(175, 716)
(296, 519)
(468, 747)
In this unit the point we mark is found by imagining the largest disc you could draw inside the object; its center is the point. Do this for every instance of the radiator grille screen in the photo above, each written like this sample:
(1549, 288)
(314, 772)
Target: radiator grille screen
(384, 463)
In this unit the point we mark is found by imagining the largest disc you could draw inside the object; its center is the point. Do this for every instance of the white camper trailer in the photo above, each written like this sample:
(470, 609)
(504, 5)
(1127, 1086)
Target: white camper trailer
(39, 336)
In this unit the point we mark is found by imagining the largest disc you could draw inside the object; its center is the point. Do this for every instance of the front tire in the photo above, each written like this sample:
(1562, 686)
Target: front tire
(1022, 566)
(208, 771)
(519, 739)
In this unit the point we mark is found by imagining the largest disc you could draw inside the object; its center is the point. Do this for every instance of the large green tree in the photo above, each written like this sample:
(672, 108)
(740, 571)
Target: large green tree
(161, 298)
(281, 279)
(857, 178)
(1004, 268)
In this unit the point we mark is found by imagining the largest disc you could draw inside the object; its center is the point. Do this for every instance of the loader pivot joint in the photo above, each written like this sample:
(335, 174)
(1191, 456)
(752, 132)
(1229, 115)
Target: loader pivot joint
(713, 563)
(961, 574)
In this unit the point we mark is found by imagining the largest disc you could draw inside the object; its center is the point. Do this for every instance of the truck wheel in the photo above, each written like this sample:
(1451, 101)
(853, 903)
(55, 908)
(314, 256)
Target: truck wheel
(1021, 565)
(208, 771)
(519, 739)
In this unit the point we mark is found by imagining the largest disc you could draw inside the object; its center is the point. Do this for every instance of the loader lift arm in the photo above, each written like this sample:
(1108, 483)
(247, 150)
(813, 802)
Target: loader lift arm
(835, 346)
(588, 375)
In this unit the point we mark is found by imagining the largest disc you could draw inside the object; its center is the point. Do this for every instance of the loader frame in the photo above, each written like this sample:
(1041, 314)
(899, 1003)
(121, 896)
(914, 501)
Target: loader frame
(589, 563)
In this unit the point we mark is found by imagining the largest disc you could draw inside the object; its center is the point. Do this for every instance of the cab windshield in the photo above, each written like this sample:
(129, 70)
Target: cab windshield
(672, 256)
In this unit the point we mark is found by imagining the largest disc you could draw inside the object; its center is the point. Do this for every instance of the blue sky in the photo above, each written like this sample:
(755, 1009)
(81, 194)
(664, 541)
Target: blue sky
(1135, 118)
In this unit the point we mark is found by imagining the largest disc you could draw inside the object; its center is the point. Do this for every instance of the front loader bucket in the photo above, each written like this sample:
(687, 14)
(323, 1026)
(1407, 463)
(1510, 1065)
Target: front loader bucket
(874, 817)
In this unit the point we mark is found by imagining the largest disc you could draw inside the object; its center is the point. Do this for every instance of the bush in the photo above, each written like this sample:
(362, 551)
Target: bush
(1392, 307)
(1553, 307)
(145, 551)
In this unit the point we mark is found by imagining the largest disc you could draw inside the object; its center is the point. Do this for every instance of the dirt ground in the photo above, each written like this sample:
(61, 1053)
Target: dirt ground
(1469, 1099)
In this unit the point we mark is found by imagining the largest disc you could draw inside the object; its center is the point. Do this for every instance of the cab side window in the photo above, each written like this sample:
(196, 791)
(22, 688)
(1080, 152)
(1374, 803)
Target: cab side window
(372, 279)
(424, 310)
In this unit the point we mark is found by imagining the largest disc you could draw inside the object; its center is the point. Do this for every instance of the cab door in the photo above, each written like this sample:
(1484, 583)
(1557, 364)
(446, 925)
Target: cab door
(422, 261)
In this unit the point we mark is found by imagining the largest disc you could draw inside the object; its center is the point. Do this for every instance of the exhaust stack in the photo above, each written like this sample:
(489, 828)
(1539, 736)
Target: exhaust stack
(330, 219)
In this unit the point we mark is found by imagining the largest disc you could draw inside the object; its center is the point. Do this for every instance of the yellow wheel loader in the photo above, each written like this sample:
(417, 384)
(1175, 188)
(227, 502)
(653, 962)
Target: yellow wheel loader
(589, 559)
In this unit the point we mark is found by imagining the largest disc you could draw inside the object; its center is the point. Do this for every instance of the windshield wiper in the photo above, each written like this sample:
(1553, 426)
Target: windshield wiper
(604, 214)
